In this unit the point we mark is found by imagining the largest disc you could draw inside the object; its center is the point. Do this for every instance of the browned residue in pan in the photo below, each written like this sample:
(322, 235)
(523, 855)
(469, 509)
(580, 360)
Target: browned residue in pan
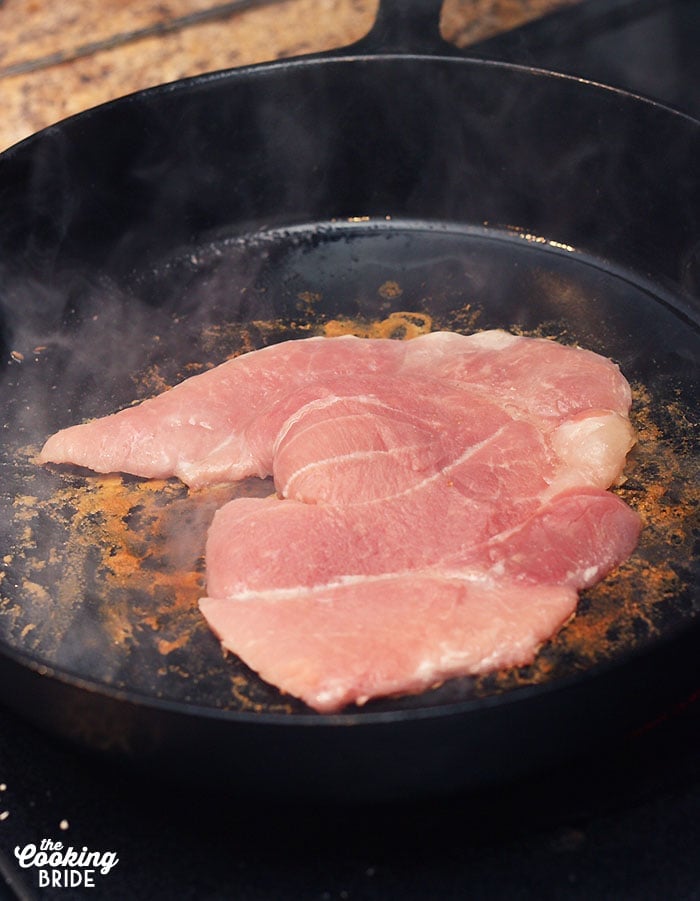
(403, 326)
(628, 607)
(123, 541)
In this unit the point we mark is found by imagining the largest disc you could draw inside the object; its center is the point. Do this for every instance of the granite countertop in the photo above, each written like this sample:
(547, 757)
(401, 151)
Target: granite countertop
(58, 59)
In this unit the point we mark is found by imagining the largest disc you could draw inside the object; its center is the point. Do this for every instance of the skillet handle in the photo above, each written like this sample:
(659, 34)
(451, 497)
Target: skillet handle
(405, 26)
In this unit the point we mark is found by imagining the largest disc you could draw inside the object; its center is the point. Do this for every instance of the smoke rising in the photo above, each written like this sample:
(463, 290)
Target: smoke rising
(138, 242)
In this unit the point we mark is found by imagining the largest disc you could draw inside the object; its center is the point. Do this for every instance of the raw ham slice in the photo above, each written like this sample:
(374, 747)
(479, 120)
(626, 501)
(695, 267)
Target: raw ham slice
(257, 545)
(440, 502)
(334, 648)
(391, 622)
(198, 430)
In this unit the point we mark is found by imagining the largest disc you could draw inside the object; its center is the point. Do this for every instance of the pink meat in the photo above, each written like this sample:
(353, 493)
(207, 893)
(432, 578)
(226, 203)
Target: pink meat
(208, 428)
(257, 545)
(340, 644)
(329, 613)
(440, 502)
(197, 430)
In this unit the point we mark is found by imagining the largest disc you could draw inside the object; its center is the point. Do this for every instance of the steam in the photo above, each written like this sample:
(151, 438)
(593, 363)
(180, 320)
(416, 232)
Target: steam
(131, 236)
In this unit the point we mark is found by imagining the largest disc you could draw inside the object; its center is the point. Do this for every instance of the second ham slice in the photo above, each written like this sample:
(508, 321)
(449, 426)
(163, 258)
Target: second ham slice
(440, 502)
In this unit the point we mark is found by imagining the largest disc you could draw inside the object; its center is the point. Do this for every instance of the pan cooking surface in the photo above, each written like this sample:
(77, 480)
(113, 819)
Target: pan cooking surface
(101, 574)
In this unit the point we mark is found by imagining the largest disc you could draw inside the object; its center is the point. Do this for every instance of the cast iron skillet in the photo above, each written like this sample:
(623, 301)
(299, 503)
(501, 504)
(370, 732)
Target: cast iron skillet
(387, 189)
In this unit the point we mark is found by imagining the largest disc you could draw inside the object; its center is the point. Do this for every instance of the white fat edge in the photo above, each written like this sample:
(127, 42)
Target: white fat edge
(467, 574)
(437, 346)
(352, 456)
(589, 575)
(191, 472)
(323, 403)
(449, 661)
(489, 338)
(493, 339)
(470, 451)
(516, 655)
(332, 699)
(564, 480)
(442, 665)
(591, 425)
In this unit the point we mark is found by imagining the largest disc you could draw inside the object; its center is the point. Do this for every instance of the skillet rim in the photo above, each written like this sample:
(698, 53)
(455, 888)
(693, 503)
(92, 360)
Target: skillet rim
(518, 695)
(344, 56)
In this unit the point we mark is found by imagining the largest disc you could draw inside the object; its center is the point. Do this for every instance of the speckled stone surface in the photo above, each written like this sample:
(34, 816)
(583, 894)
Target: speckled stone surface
(58, 59)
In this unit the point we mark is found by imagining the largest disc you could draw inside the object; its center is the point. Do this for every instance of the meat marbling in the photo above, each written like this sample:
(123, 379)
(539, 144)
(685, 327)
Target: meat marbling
(440, 502)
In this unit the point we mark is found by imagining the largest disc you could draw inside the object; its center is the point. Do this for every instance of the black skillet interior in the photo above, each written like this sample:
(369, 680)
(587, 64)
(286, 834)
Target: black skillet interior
(381, 194)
